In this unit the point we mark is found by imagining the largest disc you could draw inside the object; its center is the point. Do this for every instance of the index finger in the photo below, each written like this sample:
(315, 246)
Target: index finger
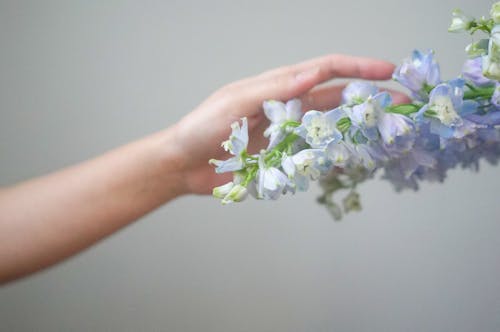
(292, 81)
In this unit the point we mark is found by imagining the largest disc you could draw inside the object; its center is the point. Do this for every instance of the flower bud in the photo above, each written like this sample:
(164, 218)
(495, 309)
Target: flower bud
(237, 194)
(495, 12)
(460, 22)
(477, 49)
(491, 62)
(222, 191)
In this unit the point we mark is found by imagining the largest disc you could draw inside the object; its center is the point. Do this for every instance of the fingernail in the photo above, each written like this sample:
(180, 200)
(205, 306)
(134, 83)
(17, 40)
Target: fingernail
(307, 75)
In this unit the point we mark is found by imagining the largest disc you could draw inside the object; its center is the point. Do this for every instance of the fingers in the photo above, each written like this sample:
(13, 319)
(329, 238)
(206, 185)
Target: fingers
(327, 97)
(292, 81)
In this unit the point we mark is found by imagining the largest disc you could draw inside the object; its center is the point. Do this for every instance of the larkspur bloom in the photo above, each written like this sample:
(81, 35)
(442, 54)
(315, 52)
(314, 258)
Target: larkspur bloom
(366, 116)
(305, 165)
(358, 92)
(472, 71)
(446, 109)
(271, 182)
(236, 145)
(418, 73)
(279, 114)
(396, 129)
(320, 129)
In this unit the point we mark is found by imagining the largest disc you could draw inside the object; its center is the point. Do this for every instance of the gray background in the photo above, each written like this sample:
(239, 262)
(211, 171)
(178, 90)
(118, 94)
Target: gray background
(79, 78)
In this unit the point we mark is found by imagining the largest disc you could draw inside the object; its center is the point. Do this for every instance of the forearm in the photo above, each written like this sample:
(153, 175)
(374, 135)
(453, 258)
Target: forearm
(45, 220)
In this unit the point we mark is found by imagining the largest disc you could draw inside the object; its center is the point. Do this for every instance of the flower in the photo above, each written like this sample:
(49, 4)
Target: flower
(418, 73)
(392, 126)
(367, 116)
(319, 129)
(279, 113)
(358, 92)
(270, 181)
(236, 145)
(306, 164)
(339, 153)
(472, 71)
(446, 108)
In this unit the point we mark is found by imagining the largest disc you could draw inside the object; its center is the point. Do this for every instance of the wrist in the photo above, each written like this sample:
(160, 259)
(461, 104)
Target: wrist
(171, 163)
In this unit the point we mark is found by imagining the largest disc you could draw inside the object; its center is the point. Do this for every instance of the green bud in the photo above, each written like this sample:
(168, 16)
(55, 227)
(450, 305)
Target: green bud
(351, 202)
(460, 22)
(478, 48)
(222, 191)
(491, 62)
(237, 194)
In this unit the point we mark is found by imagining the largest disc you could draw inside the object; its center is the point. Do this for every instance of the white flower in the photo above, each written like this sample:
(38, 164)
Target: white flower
(271, 182)
(236, 145)
(279, 113)
(319, 129)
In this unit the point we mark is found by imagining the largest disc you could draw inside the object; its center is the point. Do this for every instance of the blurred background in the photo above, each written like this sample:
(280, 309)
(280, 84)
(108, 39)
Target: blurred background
(78, 78)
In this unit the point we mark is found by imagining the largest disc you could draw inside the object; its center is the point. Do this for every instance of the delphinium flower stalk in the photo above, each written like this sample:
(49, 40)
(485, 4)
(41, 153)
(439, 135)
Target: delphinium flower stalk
(447, 124)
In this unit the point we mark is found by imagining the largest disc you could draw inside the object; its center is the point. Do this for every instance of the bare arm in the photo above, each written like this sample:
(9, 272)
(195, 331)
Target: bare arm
(44, 220)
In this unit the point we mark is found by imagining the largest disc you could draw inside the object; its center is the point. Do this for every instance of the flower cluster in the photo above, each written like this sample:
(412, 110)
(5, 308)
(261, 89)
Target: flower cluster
(448, 124)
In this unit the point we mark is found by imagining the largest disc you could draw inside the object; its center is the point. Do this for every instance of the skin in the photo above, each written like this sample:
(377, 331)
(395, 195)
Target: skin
(47, 219)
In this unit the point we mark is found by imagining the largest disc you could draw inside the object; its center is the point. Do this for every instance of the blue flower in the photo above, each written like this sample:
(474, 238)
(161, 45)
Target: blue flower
(418, 73)
(446, 108)
(339, 153)
(366, 116)
(279, 113)
(358, 92)
(236, 145)
(306, 164)
(319, 129)
(394, 126)
(472, 71)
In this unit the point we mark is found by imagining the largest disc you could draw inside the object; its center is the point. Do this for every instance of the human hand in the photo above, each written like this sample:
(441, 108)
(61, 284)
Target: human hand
(198, 135)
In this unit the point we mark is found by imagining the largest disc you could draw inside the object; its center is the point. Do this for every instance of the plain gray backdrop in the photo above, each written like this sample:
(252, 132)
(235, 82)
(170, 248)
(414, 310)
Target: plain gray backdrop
(78, 78)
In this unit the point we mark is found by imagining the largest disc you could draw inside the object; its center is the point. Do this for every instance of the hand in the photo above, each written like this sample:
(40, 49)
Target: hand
(199, 134)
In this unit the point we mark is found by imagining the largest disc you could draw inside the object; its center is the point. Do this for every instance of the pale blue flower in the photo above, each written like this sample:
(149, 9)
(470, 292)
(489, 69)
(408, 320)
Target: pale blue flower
(279, 113)
(446, 109)
(358, 92)
(392, 126)
(366, 116)
(418, 73)
(363, 156)
(339, 153)
(319, 129)
(472, 71)
(236, 145)
(270, 181)
(306, 164)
